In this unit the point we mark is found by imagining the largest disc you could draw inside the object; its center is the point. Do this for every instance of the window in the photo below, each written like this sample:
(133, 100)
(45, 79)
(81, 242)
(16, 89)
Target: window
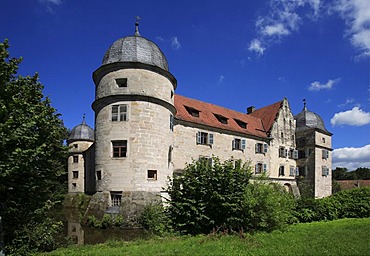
(75, 159)
(116, 198)
(292, 171)
(74, 185)
(98, 175)
(171, 122)
(281, 170)
(325, 171)
(119, 113)
(221, 119)
(206, 159)
(241, 123)
(260, 168)
(283, 152)
(75, 145)
(323, 140)
(121, 82)
(325, 154)
(192, 111)
(204, 138)
(261, 148)
(119, 148)
(75, 174)
(282, 137)
(238, 144)
(152, 174)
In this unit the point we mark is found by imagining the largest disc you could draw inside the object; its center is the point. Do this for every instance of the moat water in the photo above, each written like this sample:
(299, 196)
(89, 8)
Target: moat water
(82, 234)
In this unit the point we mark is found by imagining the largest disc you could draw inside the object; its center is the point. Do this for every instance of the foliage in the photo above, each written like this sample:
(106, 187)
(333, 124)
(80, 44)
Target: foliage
(354, 203)
(42, 233)
(343, 174)
(32, 159)
(267, 206)
(209, 196)
(341, 237)
(155, 219)
(107, 221)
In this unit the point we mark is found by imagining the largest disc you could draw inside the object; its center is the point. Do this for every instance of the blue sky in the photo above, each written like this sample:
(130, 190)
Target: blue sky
(231, 53)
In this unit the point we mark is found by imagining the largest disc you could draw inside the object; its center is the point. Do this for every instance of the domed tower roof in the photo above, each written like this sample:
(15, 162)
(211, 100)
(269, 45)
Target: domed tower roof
(309, 120)
(81, 132)
(135, 49)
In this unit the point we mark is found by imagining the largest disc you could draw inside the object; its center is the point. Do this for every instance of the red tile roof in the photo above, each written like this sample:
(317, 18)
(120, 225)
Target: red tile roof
(350, 184)
(268, 114)
(208, 116)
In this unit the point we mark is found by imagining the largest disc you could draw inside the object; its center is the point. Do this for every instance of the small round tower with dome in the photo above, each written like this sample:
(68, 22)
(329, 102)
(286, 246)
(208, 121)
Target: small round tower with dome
(315, 153)
(80, 166)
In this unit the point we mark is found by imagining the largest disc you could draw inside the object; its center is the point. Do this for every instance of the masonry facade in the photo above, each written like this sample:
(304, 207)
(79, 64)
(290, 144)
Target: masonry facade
(144, 133)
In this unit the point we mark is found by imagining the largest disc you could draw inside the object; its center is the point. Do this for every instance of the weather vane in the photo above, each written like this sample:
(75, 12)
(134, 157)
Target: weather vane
(137, 26)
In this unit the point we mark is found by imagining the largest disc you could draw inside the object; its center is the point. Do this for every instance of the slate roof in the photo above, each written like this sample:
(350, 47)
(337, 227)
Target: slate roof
(256, 124)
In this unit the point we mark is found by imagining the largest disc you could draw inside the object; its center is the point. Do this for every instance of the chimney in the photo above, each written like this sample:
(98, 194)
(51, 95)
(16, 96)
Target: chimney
(250, 109)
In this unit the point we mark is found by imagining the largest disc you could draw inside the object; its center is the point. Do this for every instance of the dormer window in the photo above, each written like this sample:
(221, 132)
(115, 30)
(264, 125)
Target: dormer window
(221, 119)
(192, 111)
(241, 123)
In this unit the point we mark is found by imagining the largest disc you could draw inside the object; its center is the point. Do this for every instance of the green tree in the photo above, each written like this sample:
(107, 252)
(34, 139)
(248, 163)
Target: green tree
(32, 159)
(209, 196)
(340, 173)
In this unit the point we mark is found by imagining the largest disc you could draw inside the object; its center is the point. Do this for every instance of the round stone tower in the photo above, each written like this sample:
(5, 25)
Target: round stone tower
(80, 164)
(134, 109)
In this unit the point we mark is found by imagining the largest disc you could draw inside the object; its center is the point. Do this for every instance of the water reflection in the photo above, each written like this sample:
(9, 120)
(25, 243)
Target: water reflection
(80, 234)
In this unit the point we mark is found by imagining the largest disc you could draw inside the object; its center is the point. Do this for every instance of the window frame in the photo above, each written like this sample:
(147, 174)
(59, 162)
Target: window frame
(238, 144)
(204, 138)
(121, 146)
(152, 175)
(118, 114)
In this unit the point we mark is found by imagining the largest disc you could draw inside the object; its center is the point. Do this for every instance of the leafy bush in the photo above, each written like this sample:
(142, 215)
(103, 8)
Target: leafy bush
(107, 221)
(155, 219)
(354, 203)
(267, 206)
(209, 196)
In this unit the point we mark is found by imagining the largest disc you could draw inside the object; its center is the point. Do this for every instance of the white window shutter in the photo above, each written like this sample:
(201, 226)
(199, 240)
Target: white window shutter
(210, 138)
(295, 154)
(198, 138)
(256, 168)
(285, 152)
(243, 144)
(265, 167)
(265, 146)
(297, 171)
(233, 144)
(256, 148)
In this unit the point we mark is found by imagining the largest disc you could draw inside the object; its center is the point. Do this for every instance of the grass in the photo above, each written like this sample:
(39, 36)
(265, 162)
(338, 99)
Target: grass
(340, 237)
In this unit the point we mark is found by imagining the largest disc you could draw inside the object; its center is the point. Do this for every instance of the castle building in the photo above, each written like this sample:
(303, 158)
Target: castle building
(144, 133)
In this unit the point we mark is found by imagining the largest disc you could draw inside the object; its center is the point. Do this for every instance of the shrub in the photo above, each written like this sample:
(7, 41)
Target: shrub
(267, 206)
(354, 203)
(155, 219)
(209, 196)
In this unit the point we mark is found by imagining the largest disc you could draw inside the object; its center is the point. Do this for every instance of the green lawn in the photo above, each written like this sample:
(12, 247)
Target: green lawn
(340, 237)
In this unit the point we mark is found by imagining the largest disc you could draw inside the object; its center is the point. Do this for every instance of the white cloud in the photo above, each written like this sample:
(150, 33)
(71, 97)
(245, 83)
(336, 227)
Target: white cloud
(351, 158)
(348, 101)
(221, 79)
(175, 44)
(276, 29)
(159, 38)
(356, 14)
(353, 117)
(256, 46)
(48, 4)
(317, 86)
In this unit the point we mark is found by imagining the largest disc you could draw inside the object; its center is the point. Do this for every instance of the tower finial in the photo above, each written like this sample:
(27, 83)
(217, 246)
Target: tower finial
(304, 104)
(137, 26)
(83, 119)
